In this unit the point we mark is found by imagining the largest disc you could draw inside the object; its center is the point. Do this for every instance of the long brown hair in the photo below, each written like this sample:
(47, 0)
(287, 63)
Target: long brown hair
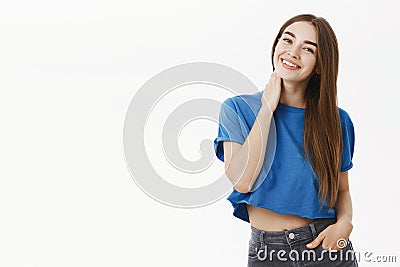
(322, 136)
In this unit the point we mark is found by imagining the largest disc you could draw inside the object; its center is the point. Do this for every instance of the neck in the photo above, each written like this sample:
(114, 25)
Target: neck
(293, 94)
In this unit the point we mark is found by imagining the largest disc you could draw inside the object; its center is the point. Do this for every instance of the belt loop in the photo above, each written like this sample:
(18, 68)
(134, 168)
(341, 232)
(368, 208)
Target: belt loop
(314, 232)
(262, 240)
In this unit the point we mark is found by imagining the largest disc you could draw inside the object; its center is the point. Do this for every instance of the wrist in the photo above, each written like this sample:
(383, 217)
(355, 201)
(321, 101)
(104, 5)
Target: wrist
(345, 222)
(266, 106)
(266, 110)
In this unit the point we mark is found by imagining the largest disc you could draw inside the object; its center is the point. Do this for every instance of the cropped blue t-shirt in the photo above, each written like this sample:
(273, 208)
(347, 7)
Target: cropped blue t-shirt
(290, 186)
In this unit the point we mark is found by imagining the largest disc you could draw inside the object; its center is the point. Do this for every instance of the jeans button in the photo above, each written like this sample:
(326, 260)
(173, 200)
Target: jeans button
(291, 235)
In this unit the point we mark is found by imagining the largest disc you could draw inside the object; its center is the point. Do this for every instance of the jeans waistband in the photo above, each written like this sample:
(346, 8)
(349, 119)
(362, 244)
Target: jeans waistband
(293, 235)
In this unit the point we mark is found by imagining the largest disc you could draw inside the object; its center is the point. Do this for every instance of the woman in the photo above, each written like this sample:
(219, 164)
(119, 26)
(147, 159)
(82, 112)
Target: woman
(302, 212)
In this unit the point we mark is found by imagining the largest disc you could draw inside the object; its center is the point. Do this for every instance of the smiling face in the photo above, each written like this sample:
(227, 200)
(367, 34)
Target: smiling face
(295, 55)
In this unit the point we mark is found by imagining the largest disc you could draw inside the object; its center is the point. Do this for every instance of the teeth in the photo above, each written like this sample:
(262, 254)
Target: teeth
(290, 64)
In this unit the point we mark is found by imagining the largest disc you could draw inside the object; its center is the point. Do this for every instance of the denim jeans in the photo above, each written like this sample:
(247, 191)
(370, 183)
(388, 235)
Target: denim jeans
(288, 248)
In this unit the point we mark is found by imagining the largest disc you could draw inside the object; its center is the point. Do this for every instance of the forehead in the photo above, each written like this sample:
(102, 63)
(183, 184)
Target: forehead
(303, 30)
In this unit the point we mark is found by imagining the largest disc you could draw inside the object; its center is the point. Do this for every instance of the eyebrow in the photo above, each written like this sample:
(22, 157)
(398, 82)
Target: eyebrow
(306, 41)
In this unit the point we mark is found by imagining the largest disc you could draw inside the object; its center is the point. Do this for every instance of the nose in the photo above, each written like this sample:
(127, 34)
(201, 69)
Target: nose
(294, 53)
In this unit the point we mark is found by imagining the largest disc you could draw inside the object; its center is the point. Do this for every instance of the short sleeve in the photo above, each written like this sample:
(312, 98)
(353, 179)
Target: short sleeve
(229, 128)
(348, 145)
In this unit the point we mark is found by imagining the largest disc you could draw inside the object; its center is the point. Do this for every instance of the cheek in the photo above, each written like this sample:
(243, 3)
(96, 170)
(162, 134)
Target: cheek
(277, 53)
(275, 59)
(278, 50)
(311, 62)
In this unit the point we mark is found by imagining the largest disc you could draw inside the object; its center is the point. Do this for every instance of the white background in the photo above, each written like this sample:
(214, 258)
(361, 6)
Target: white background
(68, 72)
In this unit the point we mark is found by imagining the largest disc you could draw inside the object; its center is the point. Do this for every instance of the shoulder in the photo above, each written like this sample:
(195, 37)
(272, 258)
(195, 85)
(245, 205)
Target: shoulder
(244, 101)
(345, 117)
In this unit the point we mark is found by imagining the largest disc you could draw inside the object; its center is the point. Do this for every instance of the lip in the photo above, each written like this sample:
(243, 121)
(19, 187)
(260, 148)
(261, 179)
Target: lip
(289, 67)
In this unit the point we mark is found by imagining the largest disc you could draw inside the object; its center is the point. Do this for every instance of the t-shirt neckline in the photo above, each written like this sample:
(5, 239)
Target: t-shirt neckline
(285, 107)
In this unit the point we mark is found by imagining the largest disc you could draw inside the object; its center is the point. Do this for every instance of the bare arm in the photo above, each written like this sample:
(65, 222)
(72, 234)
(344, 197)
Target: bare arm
(343, 226)
(343, 205)
(243, 162)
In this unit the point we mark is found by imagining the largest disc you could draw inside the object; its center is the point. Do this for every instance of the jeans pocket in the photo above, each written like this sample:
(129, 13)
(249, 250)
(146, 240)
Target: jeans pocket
(348, 253)
(326, 257)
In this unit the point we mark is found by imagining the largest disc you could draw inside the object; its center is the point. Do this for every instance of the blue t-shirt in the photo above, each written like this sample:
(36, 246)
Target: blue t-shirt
(290, 186)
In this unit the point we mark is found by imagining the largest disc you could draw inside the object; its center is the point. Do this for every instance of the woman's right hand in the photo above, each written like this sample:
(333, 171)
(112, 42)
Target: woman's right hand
(272, 92)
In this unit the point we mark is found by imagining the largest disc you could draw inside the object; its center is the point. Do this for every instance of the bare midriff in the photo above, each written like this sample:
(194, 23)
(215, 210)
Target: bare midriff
(269, 220)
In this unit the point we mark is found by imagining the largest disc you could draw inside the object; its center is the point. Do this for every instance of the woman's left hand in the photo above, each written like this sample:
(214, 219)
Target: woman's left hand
(333, 237)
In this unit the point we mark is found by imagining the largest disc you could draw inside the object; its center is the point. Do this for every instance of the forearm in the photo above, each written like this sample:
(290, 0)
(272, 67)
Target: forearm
(246, 163)
(344, 210)
(334, 234)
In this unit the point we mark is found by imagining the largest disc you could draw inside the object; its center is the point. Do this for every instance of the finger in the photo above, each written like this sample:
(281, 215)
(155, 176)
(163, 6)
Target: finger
(335, 248)
(332, 249)
(276, 79)
(277, 73)
(274, 76)
(316, 241)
